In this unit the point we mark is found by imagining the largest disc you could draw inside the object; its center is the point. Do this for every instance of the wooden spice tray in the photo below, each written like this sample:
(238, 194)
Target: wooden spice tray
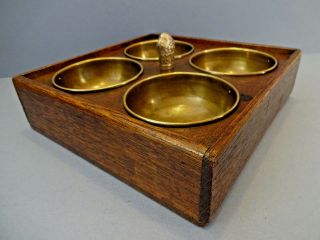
(188, 169)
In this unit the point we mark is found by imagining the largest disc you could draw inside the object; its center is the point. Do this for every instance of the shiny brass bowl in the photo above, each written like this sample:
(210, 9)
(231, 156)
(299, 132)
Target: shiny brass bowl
(97, 74)
(181, 99)
(233, 61)
(148, 51)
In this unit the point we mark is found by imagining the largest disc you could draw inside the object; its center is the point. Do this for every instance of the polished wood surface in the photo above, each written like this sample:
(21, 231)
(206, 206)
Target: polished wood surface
(187, 169)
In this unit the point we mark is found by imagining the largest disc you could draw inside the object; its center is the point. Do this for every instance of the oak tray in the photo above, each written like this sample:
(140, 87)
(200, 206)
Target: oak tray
(188, 169)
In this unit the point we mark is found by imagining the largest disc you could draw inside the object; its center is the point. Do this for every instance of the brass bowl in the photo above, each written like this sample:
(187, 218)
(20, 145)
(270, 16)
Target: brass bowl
(181, 99)
(148, 51)
(97, 74)
(233, 61)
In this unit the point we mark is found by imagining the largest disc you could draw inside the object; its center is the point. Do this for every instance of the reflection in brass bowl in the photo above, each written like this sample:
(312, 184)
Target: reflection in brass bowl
(97, 74)
(233, 61)
(148, 51)
(181, 99)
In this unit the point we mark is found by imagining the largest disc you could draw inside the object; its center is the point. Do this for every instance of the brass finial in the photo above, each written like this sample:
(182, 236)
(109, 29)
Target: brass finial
(166, 47)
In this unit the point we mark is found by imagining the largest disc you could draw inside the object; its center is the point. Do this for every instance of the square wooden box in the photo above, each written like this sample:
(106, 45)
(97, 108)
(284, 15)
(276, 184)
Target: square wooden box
(189, 170)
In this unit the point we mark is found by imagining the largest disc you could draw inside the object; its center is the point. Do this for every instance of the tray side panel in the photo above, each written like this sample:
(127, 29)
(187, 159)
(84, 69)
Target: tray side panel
(229, 158)
(161, 170)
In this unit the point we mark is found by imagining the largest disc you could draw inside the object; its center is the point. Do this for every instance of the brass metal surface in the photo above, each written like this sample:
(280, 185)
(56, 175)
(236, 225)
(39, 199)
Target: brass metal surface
(97, 74)
(181, 99)
(233, 61)
(148, 51)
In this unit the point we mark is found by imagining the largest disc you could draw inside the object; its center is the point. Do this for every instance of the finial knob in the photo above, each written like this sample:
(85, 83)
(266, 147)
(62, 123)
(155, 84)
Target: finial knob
(166, 48)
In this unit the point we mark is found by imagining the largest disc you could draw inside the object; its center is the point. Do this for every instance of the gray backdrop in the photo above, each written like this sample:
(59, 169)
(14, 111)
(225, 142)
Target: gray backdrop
(34, 33)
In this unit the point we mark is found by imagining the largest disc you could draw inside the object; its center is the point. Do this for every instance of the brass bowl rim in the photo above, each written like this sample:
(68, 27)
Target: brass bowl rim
(181, 124)
(156, 58)
(240, 49)
(53, 80)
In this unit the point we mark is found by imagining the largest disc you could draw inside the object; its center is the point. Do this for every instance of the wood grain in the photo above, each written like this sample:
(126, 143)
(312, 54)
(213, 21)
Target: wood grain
(189, 170)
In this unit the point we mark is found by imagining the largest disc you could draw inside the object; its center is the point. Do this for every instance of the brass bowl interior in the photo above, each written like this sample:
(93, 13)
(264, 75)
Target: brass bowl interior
(148, 51)
(233, 61)
(181, 99)
(97, 74)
